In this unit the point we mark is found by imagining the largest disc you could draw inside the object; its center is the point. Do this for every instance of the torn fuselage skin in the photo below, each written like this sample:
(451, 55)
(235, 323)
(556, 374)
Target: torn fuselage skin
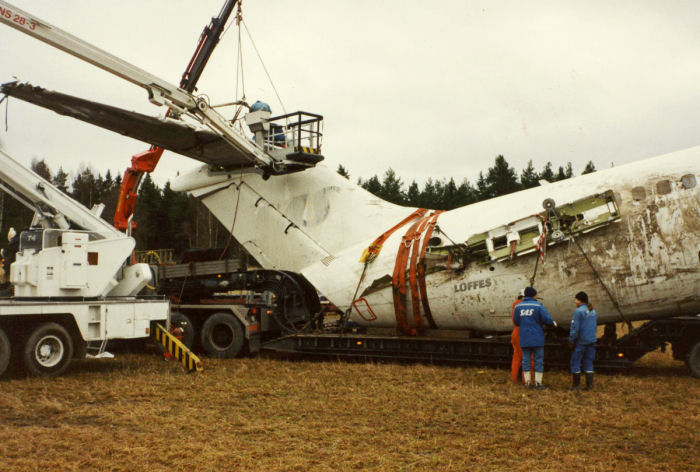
(639, 232)
(646, 254)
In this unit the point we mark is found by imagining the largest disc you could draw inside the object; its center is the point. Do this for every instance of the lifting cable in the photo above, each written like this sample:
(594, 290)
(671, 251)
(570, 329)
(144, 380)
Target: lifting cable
(239, 57)
(240, 70)
(235, 214)
(373, 250)
(7, 107)
(541, 247)
(263, 65)
(597, 276)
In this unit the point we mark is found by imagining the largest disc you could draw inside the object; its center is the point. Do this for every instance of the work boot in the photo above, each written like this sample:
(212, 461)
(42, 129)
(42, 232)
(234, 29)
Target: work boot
(589, 381)
(575, 381)
(538, 381)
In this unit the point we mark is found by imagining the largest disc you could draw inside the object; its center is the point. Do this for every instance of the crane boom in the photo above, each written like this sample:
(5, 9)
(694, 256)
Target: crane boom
(39, 194)
(290, 145)
(207, 42)
(146, 162)
(160, 92)
(43, 31)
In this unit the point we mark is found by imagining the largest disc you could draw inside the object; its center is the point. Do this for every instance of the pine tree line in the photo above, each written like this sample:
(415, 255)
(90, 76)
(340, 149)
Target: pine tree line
(173, 220)
(444, 194)
(165, 219)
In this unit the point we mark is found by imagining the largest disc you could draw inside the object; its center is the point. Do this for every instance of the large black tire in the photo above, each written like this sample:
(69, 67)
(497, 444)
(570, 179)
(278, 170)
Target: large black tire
(693, 359)
(48, 350)
(223, 336)
(5, 350)
(182, 321)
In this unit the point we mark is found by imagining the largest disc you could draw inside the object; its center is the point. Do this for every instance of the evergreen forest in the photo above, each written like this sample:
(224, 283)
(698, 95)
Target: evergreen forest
(172, 220)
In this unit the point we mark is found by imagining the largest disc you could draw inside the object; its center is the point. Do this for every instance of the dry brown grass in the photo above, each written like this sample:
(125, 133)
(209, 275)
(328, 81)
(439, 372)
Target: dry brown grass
(138, 412)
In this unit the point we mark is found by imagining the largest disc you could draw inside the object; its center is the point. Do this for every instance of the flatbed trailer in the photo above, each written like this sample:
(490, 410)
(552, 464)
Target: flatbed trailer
(683, 333)
(257, 319)
(227, 310)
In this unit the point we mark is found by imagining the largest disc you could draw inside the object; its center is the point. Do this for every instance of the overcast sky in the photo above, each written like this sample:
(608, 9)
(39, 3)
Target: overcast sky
(430, 89)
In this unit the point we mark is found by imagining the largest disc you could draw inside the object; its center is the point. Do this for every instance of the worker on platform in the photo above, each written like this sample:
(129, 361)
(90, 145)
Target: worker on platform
(582, 338)
(530, 315)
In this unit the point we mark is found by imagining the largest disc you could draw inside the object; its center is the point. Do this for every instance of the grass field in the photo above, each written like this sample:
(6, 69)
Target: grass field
(138, 412)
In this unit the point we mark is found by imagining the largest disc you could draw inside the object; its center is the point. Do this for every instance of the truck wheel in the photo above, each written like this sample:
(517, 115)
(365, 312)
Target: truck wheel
(4, 351)
(222, 336)
(694, 360)
(48, 350)
(182, 321)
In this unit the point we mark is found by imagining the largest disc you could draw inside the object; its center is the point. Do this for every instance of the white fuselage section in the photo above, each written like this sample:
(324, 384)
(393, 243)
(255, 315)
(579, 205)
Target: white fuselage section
(317, 223)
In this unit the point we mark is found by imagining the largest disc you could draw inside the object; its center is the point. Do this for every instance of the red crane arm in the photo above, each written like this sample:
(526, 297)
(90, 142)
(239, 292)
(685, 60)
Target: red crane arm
(146, 161)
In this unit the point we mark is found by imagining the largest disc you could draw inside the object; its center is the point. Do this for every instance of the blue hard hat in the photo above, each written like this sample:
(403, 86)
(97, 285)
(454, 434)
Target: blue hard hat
(260, 106)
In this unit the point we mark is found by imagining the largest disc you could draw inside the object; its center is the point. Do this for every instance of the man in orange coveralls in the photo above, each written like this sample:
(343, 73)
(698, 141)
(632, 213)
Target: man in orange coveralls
(516, 364)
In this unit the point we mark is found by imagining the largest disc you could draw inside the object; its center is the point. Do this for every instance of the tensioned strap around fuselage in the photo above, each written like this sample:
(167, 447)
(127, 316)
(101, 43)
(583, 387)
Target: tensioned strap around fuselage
(410, 245)
(421, 270)
(373, 249)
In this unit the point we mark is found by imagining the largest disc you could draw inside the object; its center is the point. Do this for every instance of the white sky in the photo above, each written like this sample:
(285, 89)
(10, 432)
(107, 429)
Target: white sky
(431, 89)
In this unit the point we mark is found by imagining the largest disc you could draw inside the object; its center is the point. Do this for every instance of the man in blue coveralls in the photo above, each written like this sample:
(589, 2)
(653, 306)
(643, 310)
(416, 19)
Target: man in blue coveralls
(582, 338)
(530, 315)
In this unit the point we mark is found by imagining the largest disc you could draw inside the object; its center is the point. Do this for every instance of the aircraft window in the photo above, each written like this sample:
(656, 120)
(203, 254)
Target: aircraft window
(500, 242)
(435, 241)
(663, 187)
(639, 194)
(689, 181)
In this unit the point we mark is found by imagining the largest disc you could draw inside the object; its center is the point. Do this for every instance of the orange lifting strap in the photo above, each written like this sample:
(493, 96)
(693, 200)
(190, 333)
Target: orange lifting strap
(371, 253)
(399, 278)
(421, 270)
(410, 245)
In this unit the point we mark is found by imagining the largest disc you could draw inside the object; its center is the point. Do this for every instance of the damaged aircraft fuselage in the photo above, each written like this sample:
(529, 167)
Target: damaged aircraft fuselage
(629, 236)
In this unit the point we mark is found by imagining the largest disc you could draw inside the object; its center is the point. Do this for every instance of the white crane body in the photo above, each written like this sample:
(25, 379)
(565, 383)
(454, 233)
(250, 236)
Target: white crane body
(72, 289)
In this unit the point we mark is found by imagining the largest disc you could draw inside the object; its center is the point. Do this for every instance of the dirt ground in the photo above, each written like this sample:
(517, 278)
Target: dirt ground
(138, 412)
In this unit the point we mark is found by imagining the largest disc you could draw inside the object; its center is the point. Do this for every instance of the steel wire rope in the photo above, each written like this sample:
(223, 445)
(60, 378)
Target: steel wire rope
(598, 277)
(7, 107)
(235, 215)
(541, 253)
(263, 65)
(346, 314)
(239, 56)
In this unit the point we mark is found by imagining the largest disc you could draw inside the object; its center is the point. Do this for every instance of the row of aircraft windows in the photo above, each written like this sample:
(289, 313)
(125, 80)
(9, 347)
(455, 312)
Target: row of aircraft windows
(664, 187)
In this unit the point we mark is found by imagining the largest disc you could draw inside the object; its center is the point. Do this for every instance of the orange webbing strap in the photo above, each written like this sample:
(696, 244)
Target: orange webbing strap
(372, 251)
(413, 282)
(399, 279)
(421, 270)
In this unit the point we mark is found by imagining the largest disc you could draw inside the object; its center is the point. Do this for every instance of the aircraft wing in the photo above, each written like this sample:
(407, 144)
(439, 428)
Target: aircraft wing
(200, 144)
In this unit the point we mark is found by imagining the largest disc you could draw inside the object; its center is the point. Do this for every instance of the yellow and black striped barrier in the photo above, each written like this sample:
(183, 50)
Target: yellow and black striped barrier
(307, 150)
(178, 350)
